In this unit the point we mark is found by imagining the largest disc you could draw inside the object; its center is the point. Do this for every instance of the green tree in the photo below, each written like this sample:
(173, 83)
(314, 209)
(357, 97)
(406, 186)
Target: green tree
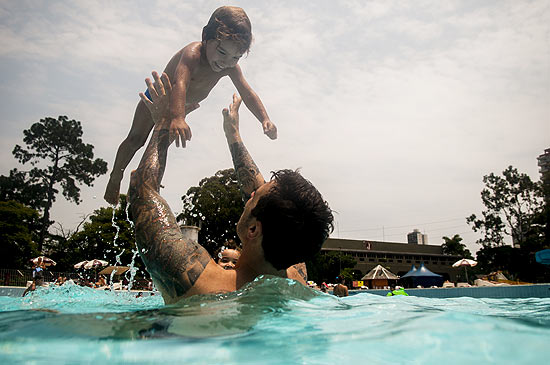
(215, 206)
(100, 239)
(18, 227)
(453, 246)
(328, 266)
(513, 205)
(57, 146)
(349, 275)
(19, 186)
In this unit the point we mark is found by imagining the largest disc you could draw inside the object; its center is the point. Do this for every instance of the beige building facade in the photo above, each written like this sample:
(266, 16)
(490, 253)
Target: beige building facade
(396, 257)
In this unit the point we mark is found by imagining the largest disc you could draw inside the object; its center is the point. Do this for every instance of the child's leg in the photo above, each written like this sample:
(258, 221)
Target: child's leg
(141, 127)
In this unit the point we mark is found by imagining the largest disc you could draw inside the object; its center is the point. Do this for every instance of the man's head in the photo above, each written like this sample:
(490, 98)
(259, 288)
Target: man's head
(229, 23)
(294, 217)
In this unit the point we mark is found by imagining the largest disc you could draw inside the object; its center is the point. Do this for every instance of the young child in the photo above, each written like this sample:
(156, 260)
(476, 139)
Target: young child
(194, 71)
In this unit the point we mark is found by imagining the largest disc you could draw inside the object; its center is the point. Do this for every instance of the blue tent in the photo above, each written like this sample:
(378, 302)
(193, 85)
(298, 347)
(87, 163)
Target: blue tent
(421, 276)
(543, 257)
(411, 271)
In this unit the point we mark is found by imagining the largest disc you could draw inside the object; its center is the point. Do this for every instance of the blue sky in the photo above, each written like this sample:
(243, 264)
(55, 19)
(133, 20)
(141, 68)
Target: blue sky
(394, 109)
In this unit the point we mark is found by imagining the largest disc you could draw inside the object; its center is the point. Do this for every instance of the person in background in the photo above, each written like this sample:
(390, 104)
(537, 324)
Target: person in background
(101, 282)
(228, 255)
(37, 276)
(340, 290)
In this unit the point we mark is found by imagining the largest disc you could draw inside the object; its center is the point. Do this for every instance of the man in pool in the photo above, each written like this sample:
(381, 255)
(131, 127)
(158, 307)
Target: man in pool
(285, 221)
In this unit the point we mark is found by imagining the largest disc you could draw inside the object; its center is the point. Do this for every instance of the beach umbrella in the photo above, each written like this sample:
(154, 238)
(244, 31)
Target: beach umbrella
(46, 260)
(465, 263)
(80, 264)
(95, 263)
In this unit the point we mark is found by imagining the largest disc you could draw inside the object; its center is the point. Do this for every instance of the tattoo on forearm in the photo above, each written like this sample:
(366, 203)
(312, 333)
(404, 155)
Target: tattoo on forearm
(174, 263)
(301, 269)
(245, 168)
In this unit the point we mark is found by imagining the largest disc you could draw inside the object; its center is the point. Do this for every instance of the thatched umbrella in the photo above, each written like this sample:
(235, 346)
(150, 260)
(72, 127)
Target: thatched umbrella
(379, 276)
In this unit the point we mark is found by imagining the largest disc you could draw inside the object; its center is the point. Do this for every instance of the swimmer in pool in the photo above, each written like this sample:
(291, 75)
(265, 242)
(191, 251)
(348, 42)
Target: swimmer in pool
(285, 221)
(194, 71)
(228, 255)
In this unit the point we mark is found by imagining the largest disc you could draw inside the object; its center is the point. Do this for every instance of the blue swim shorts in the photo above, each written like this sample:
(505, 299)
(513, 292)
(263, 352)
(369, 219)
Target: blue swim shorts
(148, 95)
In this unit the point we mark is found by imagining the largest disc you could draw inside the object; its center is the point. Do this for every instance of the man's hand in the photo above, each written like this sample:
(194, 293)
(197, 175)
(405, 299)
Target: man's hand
(231, 118)
(269, 129)
(160, 94)
(180, 131)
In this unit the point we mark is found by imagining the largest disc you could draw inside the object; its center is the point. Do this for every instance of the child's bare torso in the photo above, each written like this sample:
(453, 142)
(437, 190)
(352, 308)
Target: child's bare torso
(203, 79)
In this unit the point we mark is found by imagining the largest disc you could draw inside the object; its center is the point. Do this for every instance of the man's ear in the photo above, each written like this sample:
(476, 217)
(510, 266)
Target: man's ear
(254, 229)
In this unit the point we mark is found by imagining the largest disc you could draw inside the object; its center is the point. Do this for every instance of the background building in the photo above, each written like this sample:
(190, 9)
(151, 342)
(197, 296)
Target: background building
(396, 257)
(417, 238)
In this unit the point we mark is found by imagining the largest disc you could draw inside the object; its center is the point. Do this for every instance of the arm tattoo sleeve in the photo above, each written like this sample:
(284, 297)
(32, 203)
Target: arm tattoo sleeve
(301, 269)
(248, 174)
(174, 263)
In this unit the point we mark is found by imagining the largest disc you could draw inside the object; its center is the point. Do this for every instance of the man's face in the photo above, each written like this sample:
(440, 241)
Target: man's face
(242, 225)
(222, 54)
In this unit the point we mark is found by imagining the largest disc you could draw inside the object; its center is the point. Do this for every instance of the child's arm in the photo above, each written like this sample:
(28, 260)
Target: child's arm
(252, 101)
(182, 76)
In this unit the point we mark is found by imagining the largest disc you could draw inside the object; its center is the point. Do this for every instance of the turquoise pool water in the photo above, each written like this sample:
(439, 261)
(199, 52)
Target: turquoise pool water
(271, 321)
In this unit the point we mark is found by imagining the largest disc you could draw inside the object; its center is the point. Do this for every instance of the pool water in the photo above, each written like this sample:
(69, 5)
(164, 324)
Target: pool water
(270, 321)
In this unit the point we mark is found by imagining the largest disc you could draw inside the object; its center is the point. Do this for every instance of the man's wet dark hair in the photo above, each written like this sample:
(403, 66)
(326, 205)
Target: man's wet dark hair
(295, 218)
(229, 22)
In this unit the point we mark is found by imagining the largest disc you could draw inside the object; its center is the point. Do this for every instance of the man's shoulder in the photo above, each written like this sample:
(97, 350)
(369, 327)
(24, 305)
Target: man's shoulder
(214, 280)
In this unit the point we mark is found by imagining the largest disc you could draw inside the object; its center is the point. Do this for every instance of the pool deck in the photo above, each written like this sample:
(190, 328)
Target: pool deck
(512, 291)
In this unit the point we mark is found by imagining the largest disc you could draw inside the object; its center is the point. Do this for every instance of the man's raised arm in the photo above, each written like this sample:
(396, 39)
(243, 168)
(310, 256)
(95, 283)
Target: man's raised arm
(174, 263)
(249, 176)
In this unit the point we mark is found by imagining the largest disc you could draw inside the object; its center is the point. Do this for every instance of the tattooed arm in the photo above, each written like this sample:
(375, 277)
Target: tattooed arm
(248, 174)
(174, 263)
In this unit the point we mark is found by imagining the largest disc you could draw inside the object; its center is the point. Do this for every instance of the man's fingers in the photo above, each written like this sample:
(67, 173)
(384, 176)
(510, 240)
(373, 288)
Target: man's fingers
(236, 102)
(166, 81)
(151, 88)
(145, 99)
(225, 112)
(159, 87)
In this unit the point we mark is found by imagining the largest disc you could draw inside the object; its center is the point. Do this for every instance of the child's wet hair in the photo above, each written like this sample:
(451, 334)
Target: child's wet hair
(229, 23)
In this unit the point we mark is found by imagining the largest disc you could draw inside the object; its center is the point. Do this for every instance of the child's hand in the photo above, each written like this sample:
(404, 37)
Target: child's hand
(179, 130)
(269, 129)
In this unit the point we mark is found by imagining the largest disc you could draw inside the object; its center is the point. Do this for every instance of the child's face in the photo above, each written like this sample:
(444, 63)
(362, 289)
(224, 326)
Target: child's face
(222, 54)
(229, 258)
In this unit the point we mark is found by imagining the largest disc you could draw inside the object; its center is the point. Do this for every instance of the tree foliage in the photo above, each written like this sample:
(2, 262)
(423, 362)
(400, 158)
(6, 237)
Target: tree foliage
(514, 205)
(100, 239)
(328, 266)
(59, 158)
(215, 206)
(453, 246)
(21, 187)
(18, 234)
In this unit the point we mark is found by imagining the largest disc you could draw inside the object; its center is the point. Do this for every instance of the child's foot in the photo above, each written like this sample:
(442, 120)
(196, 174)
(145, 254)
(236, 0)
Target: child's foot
(112, 191)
